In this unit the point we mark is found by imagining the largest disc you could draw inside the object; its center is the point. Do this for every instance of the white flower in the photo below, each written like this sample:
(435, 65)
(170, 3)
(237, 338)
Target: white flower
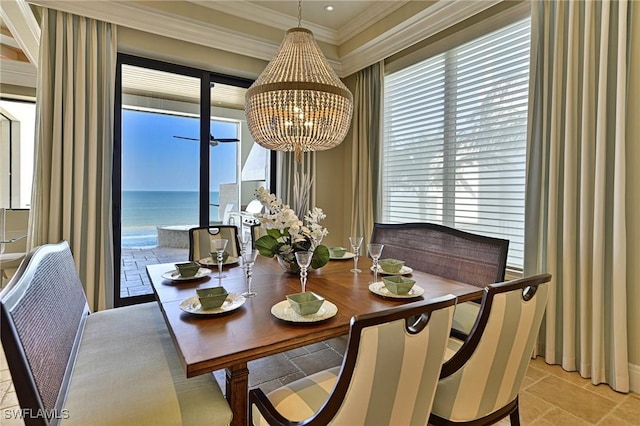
(279, 216)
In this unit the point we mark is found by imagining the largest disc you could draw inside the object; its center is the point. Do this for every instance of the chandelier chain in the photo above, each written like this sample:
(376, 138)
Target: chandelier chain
(299, 13)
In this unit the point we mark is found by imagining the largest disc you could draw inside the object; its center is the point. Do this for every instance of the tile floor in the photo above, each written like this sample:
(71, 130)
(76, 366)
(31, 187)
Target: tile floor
(550, 395)
(133, 274)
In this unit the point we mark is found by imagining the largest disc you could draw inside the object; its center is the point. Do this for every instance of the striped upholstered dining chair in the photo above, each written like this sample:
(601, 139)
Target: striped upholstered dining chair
(482, 375)
(388, 374)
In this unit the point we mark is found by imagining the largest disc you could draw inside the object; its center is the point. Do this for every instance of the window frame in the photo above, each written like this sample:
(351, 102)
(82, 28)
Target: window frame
(207, 78)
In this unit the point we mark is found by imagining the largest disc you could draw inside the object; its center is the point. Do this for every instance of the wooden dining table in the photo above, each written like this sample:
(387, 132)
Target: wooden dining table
(229, 340)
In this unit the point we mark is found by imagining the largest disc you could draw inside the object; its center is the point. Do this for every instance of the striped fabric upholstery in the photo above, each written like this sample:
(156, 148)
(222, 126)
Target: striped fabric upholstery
(392, 381)
(491, 377)
(303, 398)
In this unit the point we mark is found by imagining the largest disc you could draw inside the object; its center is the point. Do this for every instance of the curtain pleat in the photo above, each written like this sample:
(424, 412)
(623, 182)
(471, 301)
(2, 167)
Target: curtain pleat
(71, 198)
(575, 216)
(367, 139)
(287, 168)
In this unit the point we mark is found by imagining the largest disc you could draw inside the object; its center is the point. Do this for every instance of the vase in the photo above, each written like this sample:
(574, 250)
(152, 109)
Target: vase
(290, 266)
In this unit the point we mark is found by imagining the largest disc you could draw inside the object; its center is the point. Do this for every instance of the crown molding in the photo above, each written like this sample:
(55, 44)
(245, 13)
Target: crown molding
(441, 15)
(18, 73)
(17, 16)
(144, 18)
(244, 9)
(375, 13)
(428, 22)
(272, 18)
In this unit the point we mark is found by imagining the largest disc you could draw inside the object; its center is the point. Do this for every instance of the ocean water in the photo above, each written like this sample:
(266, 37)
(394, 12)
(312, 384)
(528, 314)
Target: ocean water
(143, 211)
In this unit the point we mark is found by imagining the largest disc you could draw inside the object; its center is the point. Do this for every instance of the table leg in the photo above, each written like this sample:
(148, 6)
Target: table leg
(237, 390)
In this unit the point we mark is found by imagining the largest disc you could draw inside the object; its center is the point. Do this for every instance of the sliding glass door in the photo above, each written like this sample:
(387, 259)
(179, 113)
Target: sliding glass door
(177, 164)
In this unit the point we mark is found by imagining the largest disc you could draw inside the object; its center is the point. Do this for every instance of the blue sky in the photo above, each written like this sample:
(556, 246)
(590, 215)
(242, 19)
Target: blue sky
(153, 160)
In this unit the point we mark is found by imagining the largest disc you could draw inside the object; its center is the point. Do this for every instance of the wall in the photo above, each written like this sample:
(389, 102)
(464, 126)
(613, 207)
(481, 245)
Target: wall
(333, 192)
(167, 49)
(633, 203)
(332, 189)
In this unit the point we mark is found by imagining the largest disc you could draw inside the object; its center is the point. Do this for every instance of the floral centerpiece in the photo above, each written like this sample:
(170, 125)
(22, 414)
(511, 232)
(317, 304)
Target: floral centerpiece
(287, 234)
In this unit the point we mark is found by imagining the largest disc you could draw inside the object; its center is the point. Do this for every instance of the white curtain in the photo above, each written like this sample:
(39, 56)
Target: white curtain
(365, 151)
(575, 218)
(71, 198)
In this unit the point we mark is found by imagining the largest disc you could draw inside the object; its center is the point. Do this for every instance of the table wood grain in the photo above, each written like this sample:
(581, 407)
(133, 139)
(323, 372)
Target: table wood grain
(231, 340)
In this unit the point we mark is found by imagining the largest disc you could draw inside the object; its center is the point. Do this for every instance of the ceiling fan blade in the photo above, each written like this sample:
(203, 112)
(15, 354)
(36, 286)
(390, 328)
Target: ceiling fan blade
(223, 140)
(184, 137)
(212, 141)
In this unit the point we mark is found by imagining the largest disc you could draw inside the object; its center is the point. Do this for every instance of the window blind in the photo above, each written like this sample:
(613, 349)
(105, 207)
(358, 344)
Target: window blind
(454, 149)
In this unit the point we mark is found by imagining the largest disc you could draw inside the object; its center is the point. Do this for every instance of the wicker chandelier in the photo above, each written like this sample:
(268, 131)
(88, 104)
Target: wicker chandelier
(298, 103)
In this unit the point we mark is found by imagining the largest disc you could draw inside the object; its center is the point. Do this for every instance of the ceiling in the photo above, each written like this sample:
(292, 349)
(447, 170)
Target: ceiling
(353, 35)
(316, 13)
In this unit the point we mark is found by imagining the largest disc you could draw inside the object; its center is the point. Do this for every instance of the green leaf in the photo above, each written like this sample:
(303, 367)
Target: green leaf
(266, 245)
(275, 233)
(320, 257)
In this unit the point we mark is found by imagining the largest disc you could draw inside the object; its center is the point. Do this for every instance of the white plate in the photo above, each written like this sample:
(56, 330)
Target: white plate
(405, 270)
(284, 311)
(192, 305)
(208, 261)
(347, 255)
(175, 275)
(380, 289)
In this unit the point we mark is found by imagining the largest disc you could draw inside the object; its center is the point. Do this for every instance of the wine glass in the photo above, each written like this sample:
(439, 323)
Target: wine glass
(375, 250)
(245, 238)
(248, 259)
(219, 245)
(304, 260)
(355, 242)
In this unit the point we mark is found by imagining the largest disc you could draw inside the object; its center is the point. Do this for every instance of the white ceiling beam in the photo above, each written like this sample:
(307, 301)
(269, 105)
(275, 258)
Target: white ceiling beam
(18, 73)
(24, 27)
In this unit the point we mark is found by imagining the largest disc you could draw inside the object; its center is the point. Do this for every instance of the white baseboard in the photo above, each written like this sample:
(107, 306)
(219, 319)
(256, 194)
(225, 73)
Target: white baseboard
(634, 378)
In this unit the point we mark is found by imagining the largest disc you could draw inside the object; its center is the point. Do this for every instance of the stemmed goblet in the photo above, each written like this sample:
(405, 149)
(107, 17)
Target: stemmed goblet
(375, 250)
(355, 242)
(248, 259)
(219, 245)
(245, 238)
(304, 260)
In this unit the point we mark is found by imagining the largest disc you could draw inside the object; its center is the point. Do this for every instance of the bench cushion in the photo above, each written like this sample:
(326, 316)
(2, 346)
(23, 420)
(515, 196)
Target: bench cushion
(465, 316)
(140, 382)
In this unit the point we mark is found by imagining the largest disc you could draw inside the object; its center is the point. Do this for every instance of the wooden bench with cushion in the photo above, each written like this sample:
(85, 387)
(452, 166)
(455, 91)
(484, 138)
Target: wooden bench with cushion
(447, 252)
(113, 367)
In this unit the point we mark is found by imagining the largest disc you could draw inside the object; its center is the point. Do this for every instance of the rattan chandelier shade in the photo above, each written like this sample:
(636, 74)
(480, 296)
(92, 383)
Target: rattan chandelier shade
(298, 103)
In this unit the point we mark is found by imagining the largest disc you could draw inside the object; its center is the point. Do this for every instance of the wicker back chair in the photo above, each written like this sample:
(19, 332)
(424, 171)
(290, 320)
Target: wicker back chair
(117, 366)
(443, 251)
(42, 323)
